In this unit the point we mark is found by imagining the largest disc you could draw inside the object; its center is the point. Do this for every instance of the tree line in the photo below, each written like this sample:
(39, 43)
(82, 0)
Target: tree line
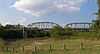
(19, 32)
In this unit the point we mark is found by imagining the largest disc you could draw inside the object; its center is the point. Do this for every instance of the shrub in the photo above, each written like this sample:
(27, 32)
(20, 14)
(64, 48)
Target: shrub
(57, 31)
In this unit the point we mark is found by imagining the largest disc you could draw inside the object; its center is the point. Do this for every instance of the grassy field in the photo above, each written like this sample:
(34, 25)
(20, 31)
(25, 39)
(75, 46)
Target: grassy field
(51, 46)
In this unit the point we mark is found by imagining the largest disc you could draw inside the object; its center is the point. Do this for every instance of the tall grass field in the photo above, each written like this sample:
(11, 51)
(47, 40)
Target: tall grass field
(51, 46)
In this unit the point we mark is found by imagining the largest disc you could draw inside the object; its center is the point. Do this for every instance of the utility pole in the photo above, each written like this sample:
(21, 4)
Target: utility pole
(22, 27)
(23, 32)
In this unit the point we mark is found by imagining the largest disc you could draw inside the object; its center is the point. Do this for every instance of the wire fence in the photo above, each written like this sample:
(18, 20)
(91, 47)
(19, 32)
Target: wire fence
(82, 49)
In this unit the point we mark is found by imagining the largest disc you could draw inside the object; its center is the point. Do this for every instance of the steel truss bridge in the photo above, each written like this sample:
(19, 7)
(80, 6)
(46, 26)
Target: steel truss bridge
(45, 26)
(82, 27)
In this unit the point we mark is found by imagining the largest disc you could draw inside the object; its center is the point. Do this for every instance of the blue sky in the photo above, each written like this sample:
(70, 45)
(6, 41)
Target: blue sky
(12, 12)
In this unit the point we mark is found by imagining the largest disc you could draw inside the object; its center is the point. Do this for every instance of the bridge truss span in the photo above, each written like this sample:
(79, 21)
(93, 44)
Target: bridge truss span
(42, 25)
(83, 27)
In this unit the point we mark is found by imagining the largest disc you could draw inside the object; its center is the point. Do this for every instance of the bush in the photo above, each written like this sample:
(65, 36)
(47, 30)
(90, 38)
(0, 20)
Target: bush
(12, 34)
(68, 31)
(57, 31)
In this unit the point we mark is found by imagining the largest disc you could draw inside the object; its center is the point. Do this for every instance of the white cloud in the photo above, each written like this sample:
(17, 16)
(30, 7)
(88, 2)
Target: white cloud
(41, 7)
(13, 20)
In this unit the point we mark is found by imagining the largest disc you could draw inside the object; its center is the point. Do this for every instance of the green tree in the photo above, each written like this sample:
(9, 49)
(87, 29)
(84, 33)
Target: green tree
(96, 23)
(68, 31)
(1, 30)
(98, 9)
(57, 31)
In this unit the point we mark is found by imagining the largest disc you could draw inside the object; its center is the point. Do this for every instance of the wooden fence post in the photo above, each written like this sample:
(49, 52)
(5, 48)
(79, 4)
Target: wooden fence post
(50, 49)
(64, 47)
(82, 45)
(35, 50)
(13, 50)
(2, 48)
(23, 49)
